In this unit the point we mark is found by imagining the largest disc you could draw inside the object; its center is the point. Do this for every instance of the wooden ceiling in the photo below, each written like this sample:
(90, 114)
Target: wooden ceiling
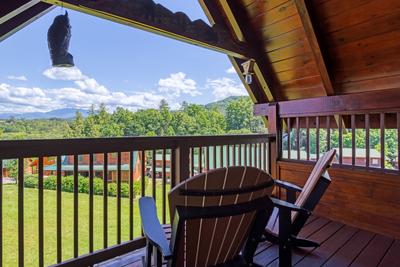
(322, 47)
(302, 48)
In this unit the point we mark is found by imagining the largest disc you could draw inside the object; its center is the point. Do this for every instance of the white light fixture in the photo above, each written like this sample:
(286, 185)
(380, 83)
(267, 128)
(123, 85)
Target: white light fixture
(248, 70)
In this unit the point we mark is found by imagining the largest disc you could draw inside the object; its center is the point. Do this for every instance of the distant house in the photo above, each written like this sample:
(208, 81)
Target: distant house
(67, 166)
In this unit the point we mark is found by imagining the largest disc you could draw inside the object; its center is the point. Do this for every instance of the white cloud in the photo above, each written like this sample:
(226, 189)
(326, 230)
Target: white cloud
(17, 78)
(231, 70)
(64, 74)
(21, 99)
(177, 84)
(225, 87)
(84, 82)
(86, 91)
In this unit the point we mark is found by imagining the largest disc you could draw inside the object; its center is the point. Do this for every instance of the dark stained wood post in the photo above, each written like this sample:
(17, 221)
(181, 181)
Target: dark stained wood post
(182, 155)
(270, 110)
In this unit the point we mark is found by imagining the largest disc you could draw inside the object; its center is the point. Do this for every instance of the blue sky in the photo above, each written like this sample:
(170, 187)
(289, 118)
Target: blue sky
(115, 65)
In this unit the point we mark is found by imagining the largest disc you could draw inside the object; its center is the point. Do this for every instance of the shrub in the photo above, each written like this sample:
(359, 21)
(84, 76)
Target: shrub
(31, 181)
(50, 183)
(67, 185)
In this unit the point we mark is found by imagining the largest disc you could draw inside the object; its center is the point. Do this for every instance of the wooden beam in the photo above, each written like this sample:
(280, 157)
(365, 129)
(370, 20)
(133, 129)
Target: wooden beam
(150, 16)
(18, 21)
(214, 15)
(237, 16)
(12, 8)
(340, 104)
(315, 46)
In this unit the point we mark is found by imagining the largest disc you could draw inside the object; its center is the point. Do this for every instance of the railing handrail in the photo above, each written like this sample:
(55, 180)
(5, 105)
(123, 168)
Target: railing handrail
(10, 149)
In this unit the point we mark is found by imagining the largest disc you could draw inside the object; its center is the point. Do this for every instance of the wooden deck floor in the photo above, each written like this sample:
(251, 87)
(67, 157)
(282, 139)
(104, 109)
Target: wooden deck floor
(341, 245)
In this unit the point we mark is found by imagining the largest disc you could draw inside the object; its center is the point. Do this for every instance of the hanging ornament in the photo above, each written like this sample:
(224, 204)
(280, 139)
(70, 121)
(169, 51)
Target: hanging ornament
(58, 38)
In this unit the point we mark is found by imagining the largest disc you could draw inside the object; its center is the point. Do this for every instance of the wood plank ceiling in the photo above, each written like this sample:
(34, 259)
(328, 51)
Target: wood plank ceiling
(323, 47)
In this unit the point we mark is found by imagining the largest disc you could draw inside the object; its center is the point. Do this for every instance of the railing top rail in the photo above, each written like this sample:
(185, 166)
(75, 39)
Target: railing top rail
(54, 147)
(385, 101)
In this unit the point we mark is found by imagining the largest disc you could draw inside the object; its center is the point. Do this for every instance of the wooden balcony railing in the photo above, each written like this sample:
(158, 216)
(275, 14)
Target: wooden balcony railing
(349, 123)
(165, 161)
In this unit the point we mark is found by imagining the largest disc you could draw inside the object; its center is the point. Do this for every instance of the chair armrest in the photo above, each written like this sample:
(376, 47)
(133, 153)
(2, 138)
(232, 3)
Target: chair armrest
(281, 204)
(288, 186)
(152, 227)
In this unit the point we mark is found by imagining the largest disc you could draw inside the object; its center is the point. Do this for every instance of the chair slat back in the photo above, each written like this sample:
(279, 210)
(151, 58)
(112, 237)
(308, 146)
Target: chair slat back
(320, 167)
(210, 241)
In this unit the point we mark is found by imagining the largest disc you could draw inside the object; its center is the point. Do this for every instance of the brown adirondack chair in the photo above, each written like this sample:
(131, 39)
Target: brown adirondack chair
(217, 219)
(289, 217)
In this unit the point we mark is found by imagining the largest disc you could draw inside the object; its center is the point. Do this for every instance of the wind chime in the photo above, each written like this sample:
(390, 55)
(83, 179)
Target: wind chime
(58, 38)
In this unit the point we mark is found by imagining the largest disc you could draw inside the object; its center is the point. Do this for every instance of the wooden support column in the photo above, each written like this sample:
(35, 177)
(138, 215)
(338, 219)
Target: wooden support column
(182, 166)
(272, 114)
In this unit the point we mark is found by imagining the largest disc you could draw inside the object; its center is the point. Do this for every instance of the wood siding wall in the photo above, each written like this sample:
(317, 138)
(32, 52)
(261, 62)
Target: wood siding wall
(366, 199)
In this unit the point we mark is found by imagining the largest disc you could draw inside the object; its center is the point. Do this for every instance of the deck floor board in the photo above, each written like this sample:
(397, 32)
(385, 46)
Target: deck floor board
(341, 245)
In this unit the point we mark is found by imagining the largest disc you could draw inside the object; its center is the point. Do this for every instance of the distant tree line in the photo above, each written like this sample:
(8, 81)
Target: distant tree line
(235, 117)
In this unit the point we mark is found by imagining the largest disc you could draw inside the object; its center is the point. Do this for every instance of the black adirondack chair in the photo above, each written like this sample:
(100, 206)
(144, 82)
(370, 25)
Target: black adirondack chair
(289, 217)
(217, 219)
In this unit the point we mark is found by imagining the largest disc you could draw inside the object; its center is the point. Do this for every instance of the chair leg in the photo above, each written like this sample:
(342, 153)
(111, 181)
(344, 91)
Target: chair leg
(146, 260)
(157, 257)
(285, 248)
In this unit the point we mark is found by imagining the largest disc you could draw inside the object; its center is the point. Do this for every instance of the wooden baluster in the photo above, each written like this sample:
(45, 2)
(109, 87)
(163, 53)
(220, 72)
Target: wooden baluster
(265, 162)
(153, 173)
(59, 211)
(173, 168)
(382, 125)
(340, 139)
(105, 201)
(353, 139)
(131, 192)
(288, 136)
(367, 145)
(398, 140)
(227, 156)
(91, 203)
(119, 179)
(317, 136)
(255, 156)
(142, 177)
(143, 173)
(200, 159)
(40, 211)
(234, 155)
(191, 161)
(250, 155)
(20, 211)
(260, 158)
(215, 157)
(245, 154)
(208, 158)
(298, 137)
(76, 207)
(328, 133)
(164, 186)
(269, 158)
(308, 138)
(221, 156)
(240, 155)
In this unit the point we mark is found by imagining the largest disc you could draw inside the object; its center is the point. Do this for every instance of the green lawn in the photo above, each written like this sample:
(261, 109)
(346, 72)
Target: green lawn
(10, 223)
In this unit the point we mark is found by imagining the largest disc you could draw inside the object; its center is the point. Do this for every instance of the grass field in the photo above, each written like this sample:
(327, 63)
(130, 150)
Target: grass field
(10, 223)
